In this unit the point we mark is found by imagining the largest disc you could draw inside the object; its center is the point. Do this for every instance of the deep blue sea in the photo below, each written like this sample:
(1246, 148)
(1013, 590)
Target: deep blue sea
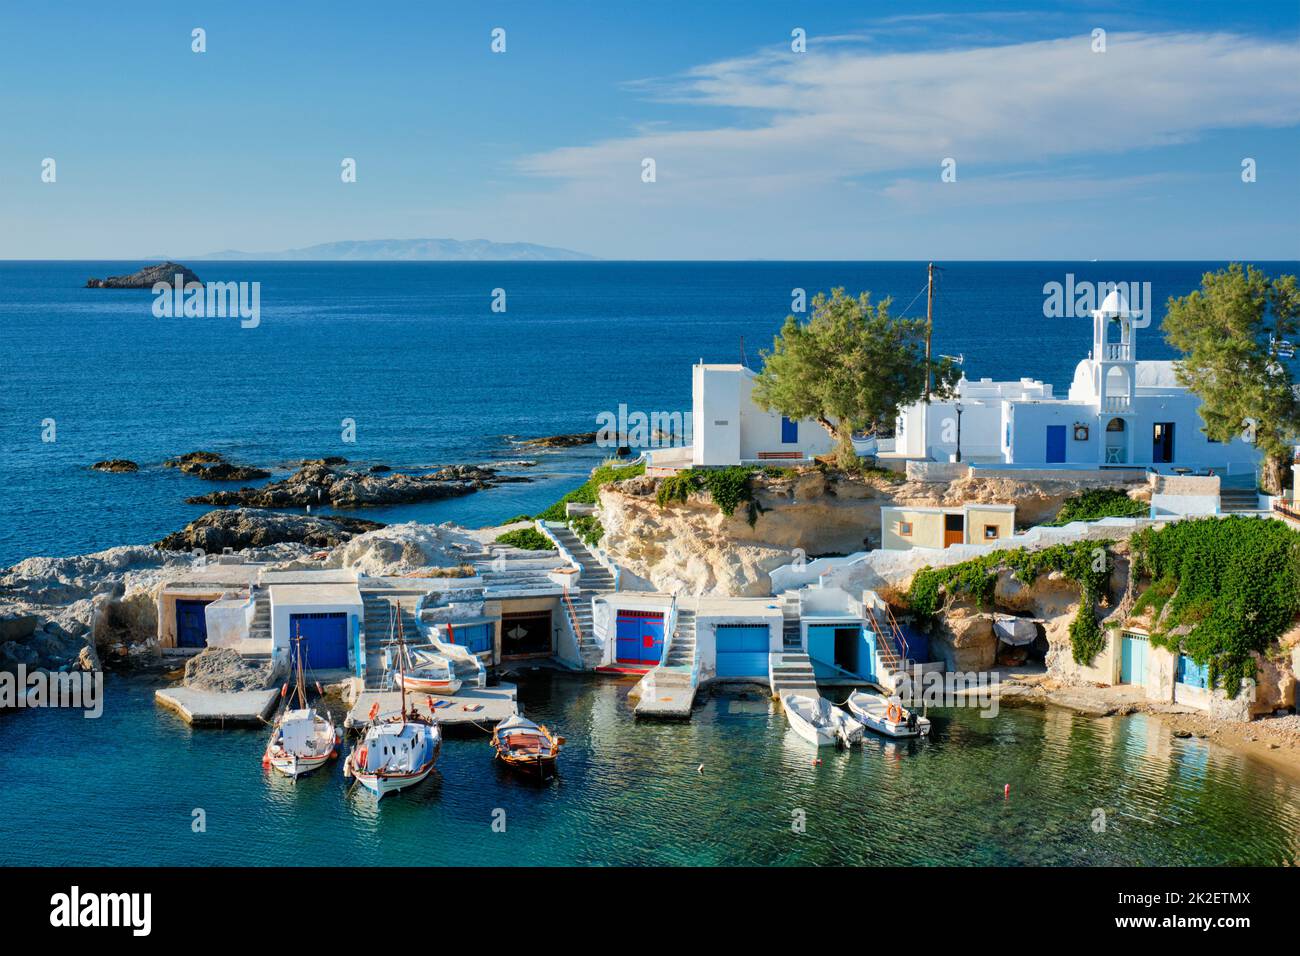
(415, 355)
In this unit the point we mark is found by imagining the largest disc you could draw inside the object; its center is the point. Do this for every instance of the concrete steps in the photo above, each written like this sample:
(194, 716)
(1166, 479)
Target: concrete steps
(377, 605)
(791, 672)
(1237, 500)
(682, 652)
(260, 629)
(595, 576)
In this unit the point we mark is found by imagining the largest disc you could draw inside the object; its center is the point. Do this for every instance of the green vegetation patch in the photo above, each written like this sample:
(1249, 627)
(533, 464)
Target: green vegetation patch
(1087, 563)
(729, 488)
(1235, 582)
(1098, 503)
(588, 528)
(589, 491)
(528, 539)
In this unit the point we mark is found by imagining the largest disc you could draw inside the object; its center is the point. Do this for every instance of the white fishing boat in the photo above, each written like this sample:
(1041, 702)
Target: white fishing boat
(426, 672)
(302, 739)
(886, 716)
(397, 750)
(820, 722)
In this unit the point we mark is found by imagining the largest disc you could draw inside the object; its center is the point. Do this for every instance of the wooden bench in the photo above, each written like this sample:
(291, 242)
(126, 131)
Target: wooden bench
(770, 455)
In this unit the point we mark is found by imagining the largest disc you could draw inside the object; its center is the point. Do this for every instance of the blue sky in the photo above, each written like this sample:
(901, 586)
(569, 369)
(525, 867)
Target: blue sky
(761, 152)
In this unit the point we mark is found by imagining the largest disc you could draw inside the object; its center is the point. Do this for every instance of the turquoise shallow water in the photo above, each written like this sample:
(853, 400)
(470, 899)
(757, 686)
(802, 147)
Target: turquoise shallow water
(122, 790)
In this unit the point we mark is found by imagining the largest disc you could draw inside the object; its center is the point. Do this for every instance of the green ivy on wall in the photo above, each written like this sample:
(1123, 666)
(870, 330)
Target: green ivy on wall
(1230, 585)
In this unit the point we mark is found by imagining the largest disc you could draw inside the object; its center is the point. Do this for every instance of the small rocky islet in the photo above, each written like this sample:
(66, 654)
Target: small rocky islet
(147, 277)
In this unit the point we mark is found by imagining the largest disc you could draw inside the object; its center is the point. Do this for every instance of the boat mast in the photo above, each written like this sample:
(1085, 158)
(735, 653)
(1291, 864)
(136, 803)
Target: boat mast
(401, 657)
(929, 327)
(299, 674)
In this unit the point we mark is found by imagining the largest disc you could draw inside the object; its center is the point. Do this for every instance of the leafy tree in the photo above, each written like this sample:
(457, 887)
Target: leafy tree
(850, 367)
(1229, 331)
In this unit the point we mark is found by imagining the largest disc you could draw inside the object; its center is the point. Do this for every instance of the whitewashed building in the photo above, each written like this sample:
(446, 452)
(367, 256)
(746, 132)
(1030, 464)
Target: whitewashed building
(1120, 411)
(728, 428)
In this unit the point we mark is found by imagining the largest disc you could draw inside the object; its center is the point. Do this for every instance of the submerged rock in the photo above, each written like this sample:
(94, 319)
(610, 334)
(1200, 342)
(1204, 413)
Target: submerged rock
(146, 277)
(116, 465)
(319, 483)
(253, 528)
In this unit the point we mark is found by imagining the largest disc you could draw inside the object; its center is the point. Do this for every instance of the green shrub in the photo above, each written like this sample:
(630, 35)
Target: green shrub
(727, 487)
(588, 528)
(589, 491)
(528, 539)
(1234, 581)
(1098, 503)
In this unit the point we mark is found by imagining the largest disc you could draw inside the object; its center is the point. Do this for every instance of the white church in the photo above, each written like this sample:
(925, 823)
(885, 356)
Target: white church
(1121, 412)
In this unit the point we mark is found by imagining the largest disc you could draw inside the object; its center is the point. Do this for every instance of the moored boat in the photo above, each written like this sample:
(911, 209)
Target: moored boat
(397, 750)
(526, 747)
(427, 673)
(885, 716)
(302, 739)
(819, 722)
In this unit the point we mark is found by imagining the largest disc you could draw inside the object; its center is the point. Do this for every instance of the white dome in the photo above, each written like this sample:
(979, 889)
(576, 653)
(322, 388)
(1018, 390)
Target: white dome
(1114, 305)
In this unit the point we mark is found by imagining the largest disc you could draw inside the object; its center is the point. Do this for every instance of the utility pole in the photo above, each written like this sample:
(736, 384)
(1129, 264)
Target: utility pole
(929, 327)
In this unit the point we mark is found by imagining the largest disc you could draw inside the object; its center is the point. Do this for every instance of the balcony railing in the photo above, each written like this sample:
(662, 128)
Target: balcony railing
(1116, 403)
(1119, 352)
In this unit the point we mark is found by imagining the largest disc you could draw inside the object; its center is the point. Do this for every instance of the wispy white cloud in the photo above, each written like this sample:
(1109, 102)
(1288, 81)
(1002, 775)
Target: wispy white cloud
(844, 111)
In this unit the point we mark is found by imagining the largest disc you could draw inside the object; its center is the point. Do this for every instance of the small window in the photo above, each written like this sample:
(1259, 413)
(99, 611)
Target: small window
(905, 529)
(990, 532)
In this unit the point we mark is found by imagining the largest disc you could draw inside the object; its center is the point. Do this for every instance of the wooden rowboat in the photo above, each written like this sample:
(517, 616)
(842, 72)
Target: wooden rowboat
(526, 747)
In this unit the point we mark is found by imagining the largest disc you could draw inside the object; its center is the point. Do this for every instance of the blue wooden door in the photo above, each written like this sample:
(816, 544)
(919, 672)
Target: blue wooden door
(639, 637)
(741, 650)
(789, 431)
(191, 624)
(325, 639)
(1133, 660)
(1055, 444)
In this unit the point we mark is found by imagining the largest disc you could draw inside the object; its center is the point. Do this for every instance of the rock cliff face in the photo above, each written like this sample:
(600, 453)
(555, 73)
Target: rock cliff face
(695, 547)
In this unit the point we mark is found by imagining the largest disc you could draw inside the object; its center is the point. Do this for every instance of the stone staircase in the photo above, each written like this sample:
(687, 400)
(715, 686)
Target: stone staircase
(260, 629)
(792, 673)
(595, 576)
(682, 652)
(588, 647)
(377, 604)
(1238, 500)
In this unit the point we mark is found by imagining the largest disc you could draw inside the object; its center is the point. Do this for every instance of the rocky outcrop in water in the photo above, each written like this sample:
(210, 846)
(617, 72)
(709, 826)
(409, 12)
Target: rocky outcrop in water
(116, 465)
(252, 528)
(557, 441)
(319, 483)
(146, 277)
(214, 467)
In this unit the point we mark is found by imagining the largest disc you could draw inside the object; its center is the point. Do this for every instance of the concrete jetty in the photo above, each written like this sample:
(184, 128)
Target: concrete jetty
(201, 708)
(482, 706)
